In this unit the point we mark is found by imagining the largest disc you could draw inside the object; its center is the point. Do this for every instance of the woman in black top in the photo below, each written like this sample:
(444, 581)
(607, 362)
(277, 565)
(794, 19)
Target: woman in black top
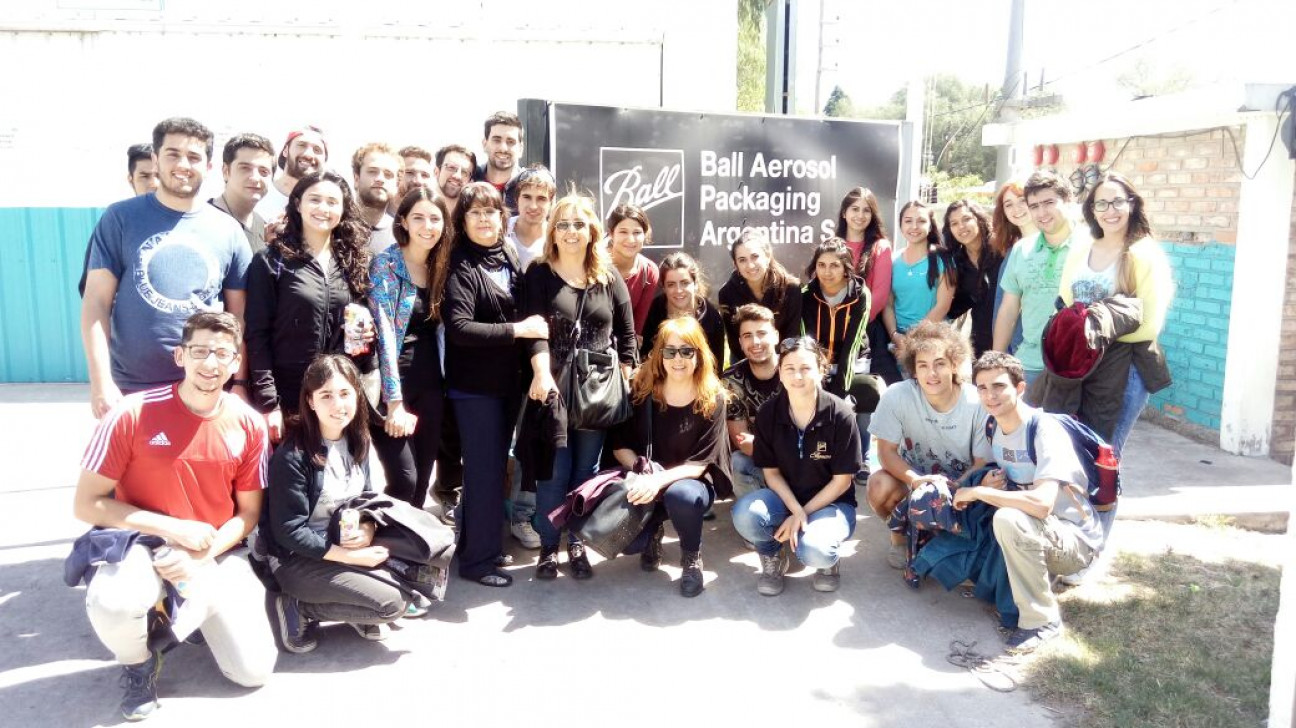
(808, 447)
(967, 234)
(574, 274)
(679, 421)
(323, 464)
(759, 278)
(684, 294)
(483, 323)
(408, 290)
(298, 288)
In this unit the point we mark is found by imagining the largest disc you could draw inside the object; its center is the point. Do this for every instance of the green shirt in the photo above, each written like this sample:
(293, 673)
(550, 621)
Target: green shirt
(1034, 274)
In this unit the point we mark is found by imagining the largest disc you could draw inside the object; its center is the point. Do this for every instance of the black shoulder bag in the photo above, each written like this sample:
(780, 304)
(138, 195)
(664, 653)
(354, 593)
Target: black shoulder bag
(597, 395)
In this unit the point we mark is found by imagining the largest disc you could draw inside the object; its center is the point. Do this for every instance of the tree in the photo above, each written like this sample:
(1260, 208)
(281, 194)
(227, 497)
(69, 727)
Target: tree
(839, 104)
(751, 55)
(956, 111)
(1146, 77)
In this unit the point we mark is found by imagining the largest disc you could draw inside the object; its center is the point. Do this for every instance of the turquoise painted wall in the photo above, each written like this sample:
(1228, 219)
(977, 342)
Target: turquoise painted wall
(41, 253)
(1195, 336)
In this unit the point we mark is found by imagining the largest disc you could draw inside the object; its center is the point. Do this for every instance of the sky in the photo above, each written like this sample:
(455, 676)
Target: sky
(873, 48)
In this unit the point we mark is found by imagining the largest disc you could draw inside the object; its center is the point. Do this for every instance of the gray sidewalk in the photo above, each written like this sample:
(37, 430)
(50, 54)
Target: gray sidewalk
(621, 649)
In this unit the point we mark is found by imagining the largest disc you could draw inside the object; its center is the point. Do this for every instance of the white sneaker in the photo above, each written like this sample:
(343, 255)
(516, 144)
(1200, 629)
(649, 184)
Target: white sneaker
(525, 534)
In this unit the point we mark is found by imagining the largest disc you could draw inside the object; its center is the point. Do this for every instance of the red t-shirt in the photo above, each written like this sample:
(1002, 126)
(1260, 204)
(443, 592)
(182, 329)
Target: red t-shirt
(169, 460)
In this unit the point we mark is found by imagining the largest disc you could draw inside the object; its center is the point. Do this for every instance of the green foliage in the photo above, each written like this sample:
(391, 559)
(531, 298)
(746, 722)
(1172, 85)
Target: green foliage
(751, 55)
(956, 111)
(949, 189)
(839, 104)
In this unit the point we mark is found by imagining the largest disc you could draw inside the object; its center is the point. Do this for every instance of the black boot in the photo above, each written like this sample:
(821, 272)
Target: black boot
(547, 567)
(650, 558)
(691, 581)
(578, 562)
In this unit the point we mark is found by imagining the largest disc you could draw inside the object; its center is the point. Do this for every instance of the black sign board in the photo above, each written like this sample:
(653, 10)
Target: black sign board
(702, 177)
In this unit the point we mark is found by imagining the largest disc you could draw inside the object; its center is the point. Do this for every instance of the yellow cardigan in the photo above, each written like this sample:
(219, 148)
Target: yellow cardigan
(1153, 283)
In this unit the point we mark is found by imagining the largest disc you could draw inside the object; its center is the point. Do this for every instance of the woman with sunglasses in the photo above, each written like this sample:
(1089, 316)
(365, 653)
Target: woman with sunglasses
(859, 223)
(922, 284)
(323, 464)
(976, 270)
(1010, 223)
(408, 292)
(683, 293)
(629, 230)
(298, 288)
(483, 326)
(808, 448)
(572, 286)
(759, 278)
(679, 420)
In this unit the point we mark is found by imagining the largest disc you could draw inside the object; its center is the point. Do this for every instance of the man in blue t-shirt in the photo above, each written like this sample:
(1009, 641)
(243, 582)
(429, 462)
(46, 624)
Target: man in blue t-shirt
(1045, 527)
(155, 260)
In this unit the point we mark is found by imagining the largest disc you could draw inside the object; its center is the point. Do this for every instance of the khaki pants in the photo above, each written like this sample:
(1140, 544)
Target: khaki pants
(1032, 550)
(236, 627)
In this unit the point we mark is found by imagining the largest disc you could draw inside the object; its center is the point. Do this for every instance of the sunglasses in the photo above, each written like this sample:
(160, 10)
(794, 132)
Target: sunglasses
(669, 352)
(565, 225)
(798, 342)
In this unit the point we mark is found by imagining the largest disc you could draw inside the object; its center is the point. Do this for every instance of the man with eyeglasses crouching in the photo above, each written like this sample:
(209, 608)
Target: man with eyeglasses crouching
(172, 480)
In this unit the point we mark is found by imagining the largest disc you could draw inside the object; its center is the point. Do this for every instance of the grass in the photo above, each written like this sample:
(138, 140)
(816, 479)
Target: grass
(1166, 639)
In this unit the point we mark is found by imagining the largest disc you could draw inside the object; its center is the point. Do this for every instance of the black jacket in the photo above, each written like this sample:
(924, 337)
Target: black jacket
(294, 313)
(839, 329)
(786, 307)
(293, 489)
(481, 357)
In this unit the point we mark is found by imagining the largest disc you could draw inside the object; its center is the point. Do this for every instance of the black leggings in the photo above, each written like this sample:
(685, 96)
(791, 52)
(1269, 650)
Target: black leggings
(408, 461)
(329, 592)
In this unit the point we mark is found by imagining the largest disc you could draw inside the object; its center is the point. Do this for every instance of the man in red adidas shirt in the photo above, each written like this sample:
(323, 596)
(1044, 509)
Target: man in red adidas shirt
(185, 462)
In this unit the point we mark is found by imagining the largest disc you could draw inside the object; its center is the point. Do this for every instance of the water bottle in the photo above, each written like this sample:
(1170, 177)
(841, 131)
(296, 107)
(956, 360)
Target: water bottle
(191, 611)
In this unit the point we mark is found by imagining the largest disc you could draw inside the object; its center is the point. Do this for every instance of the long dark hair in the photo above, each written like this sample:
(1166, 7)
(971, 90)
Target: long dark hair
(936, 252)
(989, 260)
(777, 278)
(438, 263)
(350, 239)
(1139, 227)
(307, 434)
(873, 232)
(832, 246)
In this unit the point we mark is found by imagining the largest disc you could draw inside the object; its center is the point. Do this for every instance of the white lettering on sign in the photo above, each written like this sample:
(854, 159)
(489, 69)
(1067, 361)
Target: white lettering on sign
(628, 186)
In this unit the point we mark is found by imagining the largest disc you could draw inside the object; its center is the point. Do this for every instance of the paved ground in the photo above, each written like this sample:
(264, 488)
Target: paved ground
(621, 649)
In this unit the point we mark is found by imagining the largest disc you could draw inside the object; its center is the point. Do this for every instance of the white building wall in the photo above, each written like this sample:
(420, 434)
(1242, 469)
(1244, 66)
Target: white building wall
(96, 75)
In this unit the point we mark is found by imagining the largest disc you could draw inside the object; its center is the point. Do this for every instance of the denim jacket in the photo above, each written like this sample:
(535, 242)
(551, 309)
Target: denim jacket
(391, 300)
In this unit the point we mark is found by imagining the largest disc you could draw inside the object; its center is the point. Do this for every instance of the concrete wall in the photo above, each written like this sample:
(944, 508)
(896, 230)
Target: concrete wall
(1284, 428)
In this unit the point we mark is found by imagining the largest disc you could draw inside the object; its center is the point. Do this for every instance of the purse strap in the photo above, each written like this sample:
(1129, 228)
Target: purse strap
(651, 403)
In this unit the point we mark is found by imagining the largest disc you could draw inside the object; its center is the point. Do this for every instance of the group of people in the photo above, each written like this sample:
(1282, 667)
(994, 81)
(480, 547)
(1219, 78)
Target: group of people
(418, 330)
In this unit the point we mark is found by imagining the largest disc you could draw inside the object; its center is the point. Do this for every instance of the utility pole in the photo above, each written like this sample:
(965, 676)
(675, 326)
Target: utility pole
(1012, 90)
(819, 66)
(780, 57)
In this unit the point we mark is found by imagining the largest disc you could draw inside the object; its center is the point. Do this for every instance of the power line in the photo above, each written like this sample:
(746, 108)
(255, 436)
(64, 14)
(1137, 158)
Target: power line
(1140, 44)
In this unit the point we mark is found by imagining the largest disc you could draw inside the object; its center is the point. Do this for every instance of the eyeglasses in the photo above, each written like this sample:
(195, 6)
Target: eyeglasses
(798, 342)
(199, 352)
(482, 213)
(669, 352)
(1120, 203)
(563, 226)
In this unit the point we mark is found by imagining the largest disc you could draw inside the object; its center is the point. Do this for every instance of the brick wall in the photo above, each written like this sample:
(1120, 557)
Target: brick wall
(1284, 426)
(1191, 183)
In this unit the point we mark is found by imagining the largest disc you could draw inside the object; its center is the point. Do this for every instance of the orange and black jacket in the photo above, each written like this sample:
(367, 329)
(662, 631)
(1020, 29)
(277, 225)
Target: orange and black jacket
(839, 329)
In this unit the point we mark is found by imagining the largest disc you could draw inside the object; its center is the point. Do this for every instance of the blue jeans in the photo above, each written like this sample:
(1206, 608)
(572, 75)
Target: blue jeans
(684, 502)
(746, 476)
(572, 466)
(757, 516)
(862, 422)
(1136, 398)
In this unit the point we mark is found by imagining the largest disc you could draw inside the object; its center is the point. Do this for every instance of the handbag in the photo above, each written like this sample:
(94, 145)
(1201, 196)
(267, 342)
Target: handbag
(597, 396)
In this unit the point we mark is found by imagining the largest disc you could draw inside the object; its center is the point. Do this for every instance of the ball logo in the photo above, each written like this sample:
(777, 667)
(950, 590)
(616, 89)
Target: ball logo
(652, 179)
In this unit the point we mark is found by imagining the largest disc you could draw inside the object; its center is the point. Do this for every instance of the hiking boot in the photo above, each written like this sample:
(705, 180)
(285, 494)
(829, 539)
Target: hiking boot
(371, 632)
(898, 556)
(770, 581)
(1028, 640)
(691, 583)
(827, 580)
(547, 566)
(578, 562)
(651, 557)
(140, 684)
(294, 629)
(525, 534)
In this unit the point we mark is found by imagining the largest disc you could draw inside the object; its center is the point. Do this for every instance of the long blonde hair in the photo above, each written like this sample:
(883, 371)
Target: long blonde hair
(651, 377)
(598, 262)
